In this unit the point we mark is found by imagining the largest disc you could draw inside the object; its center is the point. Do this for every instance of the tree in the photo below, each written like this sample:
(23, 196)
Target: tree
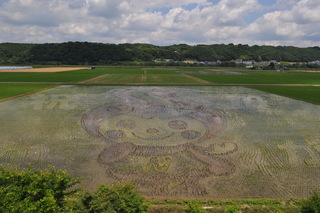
(34, 191)
(272, 65)
(120, 197)
(312, 204)
(244, 57)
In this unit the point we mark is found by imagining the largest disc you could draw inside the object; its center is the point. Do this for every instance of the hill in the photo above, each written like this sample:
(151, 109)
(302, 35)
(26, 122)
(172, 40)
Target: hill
(76, 53)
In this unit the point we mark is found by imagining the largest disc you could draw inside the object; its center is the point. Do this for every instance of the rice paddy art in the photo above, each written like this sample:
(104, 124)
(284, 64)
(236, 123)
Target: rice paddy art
(213, 142)
(157, 136)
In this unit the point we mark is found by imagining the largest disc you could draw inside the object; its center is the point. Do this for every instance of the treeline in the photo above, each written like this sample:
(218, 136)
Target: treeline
(88, 53)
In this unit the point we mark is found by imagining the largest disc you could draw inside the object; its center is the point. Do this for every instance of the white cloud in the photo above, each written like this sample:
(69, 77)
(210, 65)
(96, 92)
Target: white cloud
(284, 4)
(30, 12)
(297, 26)
(104, 8)
(225, 21)
(141, 21)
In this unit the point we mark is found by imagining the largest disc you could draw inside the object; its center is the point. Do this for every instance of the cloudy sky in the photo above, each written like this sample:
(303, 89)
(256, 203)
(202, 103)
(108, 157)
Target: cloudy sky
(162, 22)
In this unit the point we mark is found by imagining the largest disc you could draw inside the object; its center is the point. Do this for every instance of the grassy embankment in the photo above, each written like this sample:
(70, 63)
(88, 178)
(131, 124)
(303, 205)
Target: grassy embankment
(240, 205)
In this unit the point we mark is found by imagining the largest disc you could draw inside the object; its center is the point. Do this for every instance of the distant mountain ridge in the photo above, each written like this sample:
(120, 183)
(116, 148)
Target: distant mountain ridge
(80, 53)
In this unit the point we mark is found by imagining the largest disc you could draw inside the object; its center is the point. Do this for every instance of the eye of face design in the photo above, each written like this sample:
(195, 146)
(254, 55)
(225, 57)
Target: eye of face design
(153, 131)
(155, 124)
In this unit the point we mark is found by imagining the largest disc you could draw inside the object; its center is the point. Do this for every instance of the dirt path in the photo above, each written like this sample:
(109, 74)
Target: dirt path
(306, 71)
(94, 79)
(143, 78)
(196, 79)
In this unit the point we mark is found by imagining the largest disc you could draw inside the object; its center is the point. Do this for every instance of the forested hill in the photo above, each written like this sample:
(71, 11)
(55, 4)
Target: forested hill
(74, 53)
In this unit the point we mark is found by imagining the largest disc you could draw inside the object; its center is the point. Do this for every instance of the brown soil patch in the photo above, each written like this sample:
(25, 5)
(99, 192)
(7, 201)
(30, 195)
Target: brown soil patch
(143, 78)
(47, 70)
(196, 79)
(307, 71)
(218, 70)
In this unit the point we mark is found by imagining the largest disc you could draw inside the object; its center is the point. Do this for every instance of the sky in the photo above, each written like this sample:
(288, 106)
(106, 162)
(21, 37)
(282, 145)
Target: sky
(162, 22)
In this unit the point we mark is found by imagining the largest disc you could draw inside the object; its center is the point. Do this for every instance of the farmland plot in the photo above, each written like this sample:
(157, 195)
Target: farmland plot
(217, 142)
(149, 78)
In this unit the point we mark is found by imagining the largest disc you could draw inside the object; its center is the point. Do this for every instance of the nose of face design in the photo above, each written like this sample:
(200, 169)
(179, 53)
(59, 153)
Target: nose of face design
(190, 134)
(126, 124)
(178, 125)
(152, 131)
(115, 134)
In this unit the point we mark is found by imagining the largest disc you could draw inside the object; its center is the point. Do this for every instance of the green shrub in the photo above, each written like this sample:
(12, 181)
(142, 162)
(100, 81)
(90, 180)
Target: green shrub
(34, 191)
(169, 201)
(233, 209)
(213, 202)
(172, 208)
(194, 207)
(120, 197)
(312, 204)
(228, 202)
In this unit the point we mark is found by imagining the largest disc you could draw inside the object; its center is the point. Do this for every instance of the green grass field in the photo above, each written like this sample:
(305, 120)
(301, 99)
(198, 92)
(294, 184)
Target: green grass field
(264, 77)
(160, 75)
(10, 90)
(252, 77)
(78, 75)
(70, 76)
(309, 94)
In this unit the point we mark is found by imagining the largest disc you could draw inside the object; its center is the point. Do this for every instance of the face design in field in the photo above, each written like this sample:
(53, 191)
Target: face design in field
(157, 145)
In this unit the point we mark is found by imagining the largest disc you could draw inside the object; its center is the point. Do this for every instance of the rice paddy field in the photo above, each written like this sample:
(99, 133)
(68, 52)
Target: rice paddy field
(10, 91)
(217, 142)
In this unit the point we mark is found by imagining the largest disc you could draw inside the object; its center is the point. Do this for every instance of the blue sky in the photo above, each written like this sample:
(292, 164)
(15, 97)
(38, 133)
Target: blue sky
(162, 22)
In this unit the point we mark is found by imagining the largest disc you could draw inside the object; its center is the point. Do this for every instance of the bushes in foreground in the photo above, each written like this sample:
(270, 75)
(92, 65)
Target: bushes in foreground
(34, 191)
(311, 205)
(53, 190)
(120, 197)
